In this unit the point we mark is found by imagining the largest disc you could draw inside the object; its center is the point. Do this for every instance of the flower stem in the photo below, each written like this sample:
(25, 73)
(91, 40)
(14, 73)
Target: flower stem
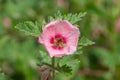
(53, 71)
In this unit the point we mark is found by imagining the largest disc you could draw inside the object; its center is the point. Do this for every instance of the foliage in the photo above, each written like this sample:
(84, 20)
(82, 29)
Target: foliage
(85, 42)
(30, 28)
(34, 30)
(20, 55)
(72, 18)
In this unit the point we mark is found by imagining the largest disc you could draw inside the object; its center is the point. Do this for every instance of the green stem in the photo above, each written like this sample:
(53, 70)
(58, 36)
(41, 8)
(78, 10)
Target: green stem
(53, 71)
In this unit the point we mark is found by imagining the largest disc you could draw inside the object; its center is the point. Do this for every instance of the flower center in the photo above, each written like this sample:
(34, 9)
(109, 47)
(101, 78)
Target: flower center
(58, 42)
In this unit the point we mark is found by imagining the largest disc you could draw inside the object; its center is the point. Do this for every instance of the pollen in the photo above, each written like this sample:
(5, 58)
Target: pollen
(58, 42)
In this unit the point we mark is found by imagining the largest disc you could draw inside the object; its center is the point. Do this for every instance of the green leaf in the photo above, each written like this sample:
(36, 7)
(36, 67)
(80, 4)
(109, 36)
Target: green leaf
(67, 61)
(85, 42)
(65, 69)
(68, 66)
(30, 28)
(72, 18)
(42, 56)
(35, 29)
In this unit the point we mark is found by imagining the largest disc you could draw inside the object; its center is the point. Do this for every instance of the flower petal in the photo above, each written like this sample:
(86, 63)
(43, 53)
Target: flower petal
(64, 28)
(72, 40)
(48, 32)
(55, 53)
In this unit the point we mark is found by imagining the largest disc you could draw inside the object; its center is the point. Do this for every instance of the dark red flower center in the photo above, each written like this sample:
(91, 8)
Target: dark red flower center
(58, 42)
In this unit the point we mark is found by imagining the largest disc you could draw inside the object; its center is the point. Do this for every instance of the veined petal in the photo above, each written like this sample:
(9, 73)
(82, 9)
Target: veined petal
(48, 32)
(57, 33)
(71, 49)
(72, 40)
(73, 37)
(62, 27)
(55, 53)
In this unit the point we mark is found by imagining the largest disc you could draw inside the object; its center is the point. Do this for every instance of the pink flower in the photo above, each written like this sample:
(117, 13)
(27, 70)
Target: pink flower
(60, 38)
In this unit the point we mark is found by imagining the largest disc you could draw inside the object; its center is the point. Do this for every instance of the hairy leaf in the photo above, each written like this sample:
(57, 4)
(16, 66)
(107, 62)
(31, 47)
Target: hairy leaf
(85, 42)
(69, 63)
(65, 69)
(30, 28)
(72, 18)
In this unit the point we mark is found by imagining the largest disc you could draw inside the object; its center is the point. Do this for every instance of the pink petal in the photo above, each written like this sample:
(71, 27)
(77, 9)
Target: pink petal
(73, 40)
(47, 33)
(55, 53)
(64, 28)
(60, 27)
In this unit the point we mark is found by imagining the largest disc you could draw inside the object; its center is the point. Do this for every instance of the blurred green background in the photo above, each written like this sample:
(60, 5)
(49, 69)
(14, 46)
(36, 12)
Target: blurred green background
(19, 53)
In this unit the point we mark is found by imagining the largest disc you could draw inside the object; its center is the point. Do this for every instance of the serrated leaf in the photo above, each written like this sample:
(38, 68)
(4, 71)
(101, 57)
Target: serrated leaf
(65, 69)
(72, 18)
(85, 42)
(42, 56)
(68, 61)
(29, 28)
